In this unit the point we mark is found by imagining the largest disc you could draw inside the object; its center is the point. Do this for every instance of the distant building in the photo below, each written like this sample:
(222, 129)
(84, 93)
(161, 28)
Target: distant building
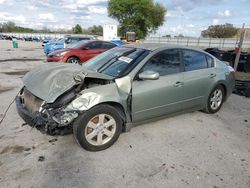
(110, 32)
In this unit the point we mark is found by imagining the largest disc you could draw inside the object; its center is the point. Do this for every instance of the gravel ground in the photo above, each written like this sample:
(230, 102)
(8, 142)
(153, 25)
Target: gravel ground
(189, 150)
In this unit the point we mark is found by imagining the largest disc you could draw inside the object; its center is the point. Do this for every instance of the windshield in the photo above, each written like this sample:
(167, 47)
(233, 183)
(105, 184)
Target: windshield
(61, 40)
(116, 62)
(78, 44)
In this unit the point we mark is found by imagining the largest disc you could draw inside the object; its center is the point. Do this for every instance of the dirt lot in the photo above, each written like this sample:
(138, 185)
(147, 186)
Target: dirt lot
(189, 150)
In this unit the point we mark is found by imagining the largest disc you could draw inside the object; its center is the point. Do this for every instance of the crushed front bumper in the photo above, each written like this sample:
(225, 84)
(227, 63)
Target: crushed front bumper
(36, 120)
(28, 117)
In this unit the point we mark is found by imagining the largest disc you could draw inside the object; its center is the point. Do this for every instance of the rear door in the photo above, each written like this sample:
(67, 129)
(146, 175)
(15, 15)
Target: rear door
(199, 77)
(152, 98)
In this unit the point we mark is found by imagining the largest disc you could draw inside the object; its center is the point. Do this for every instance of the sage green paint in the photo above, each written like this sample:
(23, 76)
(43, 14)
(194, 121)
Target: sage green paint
(150, 98)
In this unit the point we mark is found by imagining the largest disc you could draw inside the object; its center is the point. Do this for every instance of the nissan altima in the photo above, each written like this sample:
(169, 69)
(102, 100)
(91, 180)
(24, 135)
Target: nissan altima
(120, 88)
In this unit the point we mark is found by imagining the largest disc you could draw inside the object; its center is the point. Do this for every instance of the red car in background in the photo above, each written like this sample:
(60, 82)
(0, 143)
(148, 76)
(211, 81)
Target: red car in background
(80, 52)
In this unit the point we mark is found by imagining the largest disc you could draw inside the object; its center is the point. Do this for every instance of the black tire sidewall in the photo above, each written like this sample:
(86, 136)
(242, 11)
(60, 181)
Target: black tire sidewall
(209, 109)
(73, 58)
(81, 122)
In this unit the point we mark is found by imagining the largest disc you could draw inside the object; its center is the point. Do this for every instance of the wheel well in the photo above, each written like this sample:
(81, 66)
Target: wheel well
(225, 90)
(120, 109)
(74, 57)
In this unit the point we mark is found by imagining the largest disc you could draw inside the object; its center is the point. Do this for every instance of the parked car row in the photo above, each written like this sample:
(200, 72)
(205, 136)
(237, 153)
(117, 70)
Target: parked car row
(24, 38)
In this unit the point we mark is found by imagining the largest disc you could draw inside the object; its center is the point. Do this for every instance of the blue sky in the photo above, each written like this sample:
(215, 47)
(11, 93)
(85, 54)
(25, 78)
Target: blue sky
(183, 16)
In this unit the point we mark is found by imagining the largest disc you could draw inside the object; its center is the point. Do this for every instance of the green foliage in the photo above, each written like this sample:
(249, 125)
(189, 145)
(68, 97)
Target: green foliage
(11, 27)
(140, 16)
(94, 30)
(77, 29)
(220, 31)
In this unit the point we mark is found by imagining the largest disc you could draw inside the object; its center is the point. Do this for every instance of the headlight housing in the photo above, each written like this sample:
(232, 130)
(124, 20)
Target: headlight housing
(60, 54)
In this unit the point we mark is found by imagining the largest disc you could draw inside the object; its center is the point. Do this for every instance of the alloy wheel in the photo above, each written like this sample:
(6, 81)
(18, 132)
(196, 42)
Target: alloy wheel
(100, 129)
(74, 61)
(216, 99)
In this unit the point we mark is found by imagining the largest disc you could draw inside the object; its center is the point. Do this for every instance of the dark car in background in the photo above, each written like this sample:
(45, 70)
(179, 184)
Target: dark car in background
(80, 52)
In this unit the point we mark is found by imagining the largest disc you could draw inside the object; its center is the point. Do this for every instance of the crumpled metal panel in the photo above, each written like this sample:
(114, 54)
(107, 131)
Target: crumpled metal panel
(114, 92)
(51, 80)
(124, 84)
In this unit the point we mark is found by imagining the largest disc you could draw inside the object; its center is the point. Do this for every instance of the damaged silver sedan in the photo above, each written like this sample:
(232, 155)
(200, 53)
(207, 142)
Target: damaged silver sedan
(120, 88)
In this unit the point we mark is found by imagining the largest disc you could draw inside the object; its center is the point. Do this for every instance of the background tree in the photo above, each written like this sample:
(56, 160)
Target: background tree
(96, 30)
(220, 31)
(11, 27)
(77, 29)
(140, 16)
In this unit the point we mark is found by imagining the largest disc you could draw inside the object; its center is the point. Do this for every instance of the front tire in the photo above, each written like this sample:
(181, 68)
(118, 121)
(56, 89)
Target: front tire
(98, 128)
(215, 100)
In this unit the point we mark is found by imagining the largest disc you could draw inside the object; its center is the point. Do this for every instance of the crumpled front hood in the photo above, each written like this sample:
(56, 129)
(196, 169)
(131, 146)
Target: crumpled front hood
(51, 80)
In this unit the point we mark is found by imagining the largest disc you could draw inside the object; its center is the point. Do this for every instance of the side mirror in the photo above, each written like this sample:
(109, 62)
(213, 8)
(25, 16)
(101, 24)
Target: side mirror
(149, 75)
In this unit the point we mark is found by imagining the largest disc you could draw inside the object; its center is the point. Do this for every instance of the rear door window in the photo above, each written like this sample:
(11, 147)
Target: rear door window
(194, 60)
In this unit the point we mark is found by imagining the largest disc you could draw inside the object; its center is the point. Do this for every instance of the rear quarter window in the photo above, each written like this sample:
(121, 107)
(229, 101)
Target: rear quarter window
(210, 61)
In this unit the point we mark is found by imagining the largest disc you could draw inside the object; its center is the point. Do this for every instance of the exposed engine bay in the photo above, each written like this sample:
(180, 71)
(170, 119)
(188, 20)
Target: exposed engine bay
(54, 118)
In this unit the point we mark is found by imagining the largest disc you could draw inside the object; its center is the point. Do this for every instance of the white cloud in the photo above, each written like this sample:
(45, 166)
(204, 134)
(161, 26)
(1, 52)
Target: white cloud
(2, 1)
(168, 14)
(46, 16)
(225, 13)
(31, 7)
(190, 25)
(84, 17)
(70, 6)
(216, 21)
(5, 17)
(97, 9)
(90, 2)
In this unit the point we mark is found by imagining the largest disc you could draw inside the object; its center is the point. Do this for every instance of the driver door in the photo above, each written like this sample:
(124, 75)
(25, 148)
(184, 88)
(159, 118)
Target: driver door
(153, 98)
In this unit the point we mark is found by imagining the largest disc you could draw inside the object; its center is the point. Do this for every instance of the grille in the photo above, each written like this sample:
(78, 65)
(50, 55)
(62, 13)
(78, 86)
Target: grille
(30, 101)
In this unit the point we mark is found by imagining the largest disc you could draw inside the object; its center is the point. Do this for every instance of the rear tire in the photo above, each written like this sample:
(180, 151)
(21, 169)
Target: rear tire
(215, 100)
(73, 60)
(98, 128)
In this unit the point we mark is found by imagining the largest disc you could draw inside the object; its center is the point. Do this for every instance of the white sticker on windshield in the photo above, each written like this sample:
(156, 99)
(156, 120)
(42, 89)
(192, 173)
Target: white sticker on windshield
(125, 59)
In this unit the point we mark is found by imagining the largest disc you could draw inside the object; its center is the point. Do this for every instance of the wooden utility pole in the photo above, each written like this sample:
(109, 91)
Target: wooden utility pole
(237, 58)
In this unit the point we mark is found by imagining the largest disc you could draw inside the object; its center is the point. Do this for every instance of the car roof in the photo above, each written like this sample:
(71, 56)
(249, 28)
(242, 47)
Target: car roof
(155, 46)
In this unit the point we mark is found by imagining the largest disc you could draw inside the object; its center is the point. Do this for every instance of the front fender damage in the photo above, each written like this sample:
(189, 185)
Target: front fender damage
(57, 117)
(118, 92)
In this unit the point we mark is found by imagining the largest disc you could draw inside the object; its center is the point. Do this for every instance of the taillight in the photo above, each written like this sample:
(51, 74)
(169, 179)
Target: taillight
(231, 69)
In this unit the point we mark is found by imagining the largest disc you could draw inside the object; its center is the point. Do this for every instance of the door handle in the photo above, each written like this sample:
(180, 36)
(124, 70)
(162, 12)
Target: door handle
(178, 84)
(212, 75)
